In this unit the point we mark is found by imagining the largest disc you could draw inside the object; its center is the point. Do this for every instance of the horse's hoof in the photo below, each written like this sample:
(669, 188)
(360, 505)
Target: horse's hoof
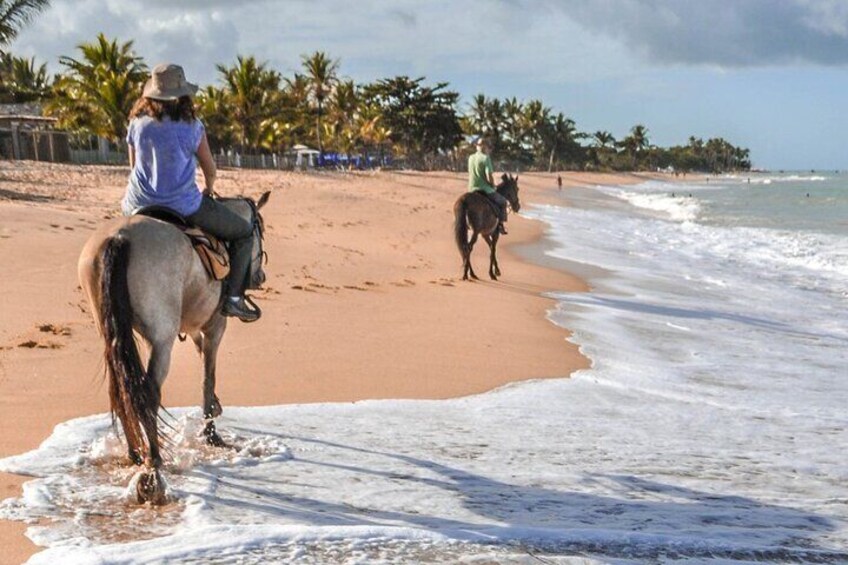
(212, 437)
(150, 488)
(215, 410)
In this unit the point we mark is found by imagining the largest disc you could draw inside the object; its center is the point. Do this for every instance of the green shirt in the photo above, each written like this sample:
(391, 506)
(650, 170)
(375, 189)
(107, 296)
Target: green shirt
(479, 169)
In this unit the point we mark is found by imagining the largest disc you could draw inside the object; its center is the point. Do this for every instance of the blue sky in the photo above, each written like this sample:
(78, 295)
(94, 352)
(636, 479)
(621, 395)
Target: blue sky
(769, 75)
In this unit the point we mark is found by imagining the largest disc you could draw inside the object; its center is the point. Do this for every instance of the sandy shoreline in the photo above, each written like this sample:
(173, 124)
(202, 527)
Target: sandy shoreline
(363, 300)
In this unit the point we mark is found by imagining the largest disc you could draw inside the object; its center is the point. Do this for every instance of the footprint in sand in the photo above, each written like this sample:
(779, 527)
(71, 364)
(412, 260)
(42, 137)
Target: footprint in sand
(54, 330)
(50, 329)
(32, 344)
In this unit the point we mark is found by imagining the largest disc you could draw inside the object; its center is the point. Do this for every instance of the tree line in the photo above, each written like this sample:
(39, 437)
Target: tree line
(255, 109)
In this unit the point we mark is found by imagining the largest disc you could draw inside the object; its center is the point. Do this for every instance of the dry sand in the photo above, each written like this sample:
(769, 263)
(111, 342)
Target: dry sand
(363, 300)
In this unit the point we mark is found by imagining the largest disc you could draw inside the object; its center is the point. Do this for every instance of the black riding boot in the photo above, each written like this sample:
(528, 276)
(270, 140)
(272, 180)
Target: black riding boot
(237, 307)
(501, 222)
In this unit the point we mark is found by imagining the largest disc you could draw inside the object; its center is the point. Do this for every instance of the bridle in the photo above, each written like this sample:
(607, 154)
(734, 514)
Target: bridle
(258, 235)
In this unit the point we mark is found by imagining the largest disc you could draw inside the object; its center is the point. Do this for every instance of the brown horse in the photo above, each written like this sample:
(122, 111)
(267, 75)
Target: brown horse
(141, 274)
(474, 210)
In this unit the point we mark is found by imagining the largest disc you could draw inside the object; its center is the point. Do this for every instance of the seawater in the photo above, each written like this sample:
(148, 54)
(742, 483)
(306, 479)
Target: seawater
(721, 314)
(711, 427)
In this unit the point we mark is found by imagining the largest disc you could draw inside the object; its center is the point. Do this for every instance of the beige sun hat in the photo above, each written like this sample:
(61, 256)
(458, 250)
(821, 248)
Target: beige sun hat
(168, 82)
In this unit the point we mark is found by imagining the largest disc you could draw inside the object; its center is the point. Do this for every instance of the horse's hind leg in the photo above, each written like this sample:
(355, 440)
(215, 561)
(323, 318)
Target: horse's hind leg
(151, 486)
(157, 369)
(208, 342)
(468, 268)
(492, 241)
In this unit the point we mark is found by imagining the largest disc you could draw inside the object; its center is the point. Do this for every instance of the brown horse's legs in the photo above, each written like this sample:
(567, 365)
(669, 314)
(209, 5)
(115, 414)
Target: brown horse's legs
(494, 268)
(469, 270)
(492, 241)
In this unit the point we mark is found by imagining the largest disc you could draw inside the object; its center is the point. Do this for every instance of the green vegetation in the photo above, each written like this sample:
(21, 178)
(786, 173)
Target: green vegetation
(96, 92)
(254, 109)
(14, 15)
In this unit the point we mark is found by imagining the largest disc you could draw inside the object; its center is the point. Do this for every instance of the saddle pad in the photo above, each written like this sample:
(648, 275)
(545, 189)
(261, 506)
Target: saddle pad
(212, 252)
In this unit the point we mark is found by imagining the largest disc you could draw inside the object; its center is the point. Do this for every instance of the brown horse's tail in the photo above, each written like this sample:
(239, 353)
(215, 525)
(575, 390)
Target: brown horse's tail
(460, 225)
(133, 395)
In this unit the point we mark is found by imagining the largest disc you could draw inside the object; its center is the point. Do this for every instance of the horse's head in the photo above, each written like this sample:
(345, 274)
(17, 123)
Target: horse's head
(508, 188)
(249, 209)
(258, 257)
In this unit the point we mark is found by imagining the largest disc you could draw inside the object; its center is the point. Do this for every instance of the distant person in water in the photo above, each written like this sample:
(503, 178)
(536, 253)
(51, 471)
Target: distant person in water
(559, 182)
(166, 141)
(481, 178)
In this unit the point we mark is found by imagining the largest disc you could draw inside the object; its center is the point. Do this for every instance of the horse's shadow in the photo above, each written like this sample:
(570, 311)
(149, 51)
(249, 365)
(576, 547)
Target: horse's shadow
(637, 518)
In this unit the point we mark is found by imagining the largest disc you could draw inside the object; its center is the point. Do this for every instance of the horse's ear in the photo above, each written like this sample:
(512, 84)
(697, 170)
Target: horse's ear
(504, 177)
(263, 200)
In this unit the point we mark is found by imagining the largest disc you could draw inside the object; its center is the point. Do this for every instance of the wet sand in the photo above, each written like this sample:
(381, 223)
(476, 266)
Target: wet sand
(363, 299)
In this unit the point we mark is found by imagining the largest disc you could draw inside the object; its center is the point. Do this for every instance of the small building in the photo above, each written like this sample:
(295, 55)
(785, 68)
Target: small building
(26, 134)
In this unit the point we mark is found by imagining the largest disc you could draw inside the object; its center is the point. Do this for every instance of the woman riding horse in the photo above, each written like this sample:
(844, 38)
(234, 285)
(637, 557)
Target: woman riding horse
(144, 279)
(164, 138)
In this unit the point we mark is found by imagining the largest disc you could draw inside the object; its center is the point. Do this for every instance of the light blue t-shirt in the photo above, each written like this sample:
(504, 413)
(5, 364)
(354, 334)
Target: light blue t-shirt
(165, 166)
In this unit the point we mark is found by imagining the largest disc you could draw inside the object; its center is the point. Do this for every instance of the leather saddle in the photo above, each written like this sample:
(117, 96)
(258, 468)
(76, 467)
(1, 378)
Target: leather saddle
(211, 250)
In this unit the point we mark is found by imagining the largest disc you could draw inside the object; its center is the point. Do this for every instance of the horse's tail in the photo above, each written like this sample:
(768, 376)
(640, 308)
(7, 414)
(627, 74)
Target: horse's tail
(132, 394)
(460, 225)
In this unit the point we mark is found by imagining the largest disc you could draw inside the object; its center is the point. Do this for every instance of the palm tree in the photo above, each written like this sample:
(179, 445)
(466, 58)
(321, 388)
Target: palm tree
(98, 90)
(636, 142)
(253, 96)
(342, 108)
(603, 139)
(322, 73)
(21, 80)
(604, 142)
(213, 107)
(15, 14)
(639, 133)
(538, 136)
(563, 133)
(487, 117)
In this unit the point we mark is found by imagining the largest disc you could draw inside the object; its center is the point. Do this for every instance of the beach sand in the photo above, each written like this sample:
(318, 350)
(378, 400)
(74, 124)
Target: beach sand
(363, 300)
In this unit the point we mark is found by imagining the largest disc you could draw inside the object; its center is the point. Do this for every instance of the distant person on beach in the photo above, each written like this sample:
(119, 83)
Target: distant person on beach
(163, 138)
(481, 178)
(559, 182)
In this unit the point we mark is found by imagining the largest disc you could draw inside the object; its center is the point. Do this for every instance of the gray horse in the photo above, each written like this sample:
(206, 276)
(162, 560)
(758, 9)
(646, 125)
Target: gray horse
(474, 210)
(142, 274)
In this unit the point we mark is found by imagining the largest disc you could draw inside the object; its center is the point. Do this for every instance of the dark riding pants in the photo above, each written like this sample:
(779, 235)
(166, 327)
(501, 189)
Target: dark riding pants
(501, 202)
(218, 220)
